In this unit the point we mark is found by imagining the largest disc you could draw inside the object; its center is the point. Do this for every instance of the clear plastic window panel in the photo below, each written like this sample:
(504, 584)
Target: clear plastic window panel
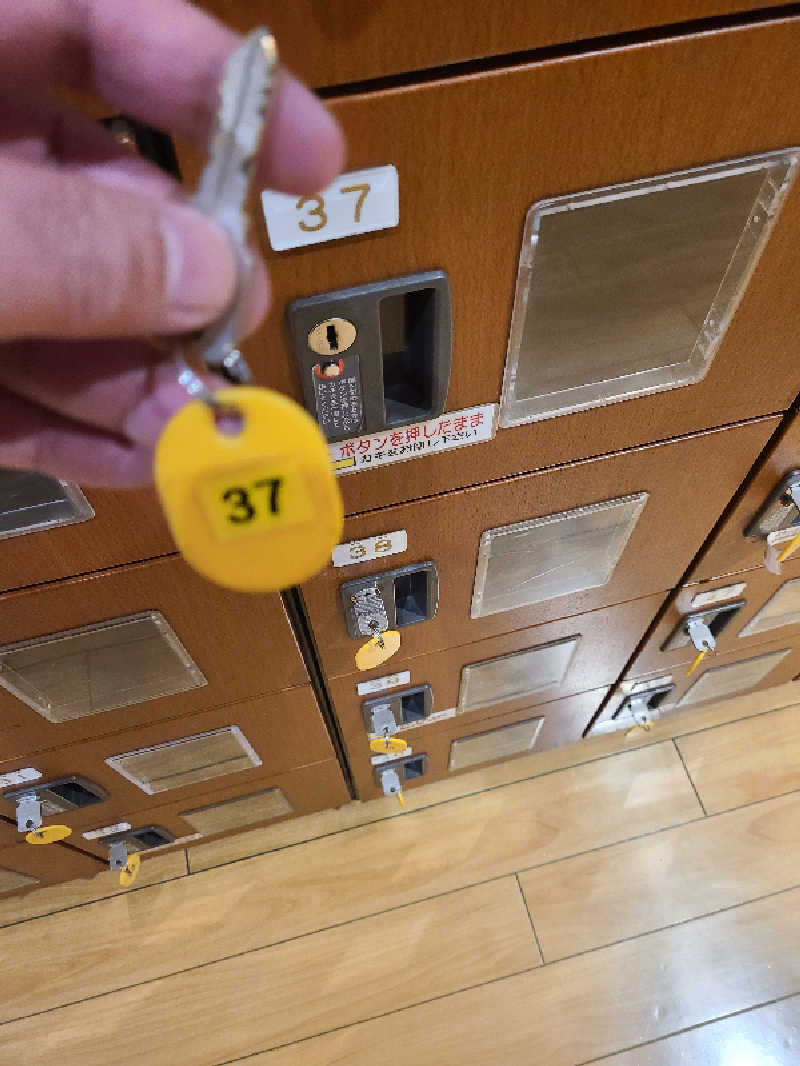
(515, 676)
(502, 743)
(237, 813)
(32, 502)
(188, 761)
(99, 667)
(556, 555)
(627, 290)
(10, 880)
(720, 681)
(781, 609)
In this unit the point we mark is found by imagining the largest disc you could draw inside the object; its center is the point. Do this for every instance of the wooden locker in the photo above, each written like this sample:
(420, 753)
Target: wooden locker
(242, 645)
(688, 483)
(583, 652)
(248, 741)
(551, 725)
(275, 797)
(741, 610)
(352, 40)
(730, 550)
(650, 110)
(26, 866)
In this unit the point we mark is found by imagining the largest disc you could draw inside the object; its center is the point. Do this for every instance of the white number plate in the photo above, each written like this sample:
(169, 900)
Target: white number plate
(359, 202)
(364, 551)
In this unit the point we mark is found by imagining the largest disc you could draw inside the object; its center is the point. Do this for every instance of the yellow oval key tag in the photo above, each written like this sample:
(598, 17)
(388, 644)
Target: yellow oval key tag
(387, 745)
(377, 650)
(131, 871)
(252, 501)
(48, 834)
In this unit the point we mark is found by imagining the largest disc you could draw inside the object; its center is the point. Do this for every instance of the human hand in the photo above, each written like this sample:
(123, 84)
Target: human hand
(100, 250)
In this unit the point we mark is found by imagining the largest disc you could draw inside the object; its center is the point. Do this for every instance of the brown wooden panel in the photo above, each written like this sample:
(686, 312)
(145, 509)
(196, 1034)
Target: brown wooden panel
(564, 722)
(787, 669)
(689, 482)
(349, 40)
(49, 865)
(608, 638)
(730, 551)
(760, 585)
(317, 787)
(127, 527)
(243, 644)
(467, 183)
(286, 731)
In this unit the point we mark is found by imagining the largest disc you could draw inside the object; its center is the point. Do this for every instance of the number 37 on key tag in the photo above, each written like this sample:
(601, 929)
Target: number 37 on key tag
(248, 489)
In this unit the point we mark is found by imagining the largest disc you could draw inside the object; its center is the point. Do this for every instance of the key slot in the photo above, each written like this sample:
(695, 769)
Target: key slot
(408, 335)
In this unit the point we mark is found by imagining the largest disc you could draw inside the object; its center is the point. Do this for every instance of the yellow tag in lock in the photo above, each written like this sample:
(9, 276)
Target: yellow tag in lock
(696, 662)
(48, 834)
(377, 650)
(131, 871)
(255, 509)
(387, 745)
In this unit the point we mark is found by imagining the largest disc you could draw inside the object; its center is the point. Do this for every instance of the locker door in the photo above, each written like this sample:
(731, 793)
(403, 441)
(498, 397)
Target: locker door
(131, 646)
(183, 760)
(570, 540)
(347, 40)
(456, 746)
(464, 206)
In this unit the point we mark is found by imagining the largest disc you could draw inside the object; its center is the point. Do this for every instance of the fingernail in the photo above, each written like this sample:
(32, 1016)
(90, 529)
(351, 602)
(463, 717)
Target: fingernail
(200, 267)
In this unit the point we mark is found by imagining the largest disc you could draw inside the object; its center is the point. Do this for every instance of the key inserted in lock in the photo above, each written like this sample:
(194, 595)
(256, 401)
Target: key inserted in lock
(391, 600)
(780, 510)
(701, 629)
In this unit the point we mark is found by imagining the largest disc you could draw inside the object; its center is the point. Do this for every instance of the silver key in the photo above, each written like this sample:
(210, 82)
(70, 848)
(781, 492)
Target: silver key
(246, 92)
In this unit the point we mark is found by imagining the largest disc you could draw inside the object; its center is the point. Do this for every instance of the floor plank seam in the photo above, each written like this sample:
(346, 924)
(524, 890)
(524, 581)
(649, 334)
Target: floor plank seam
(530, 919)
(89, 902)
(253, 950)
(690, 1029)
(188, 862)
(518, 973)
(678, 924)
(691, 779)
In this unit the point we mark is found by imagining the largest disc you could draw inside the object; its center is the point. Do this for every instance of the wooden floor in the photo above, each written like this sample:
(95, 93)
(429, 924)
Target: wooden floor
(635, 903)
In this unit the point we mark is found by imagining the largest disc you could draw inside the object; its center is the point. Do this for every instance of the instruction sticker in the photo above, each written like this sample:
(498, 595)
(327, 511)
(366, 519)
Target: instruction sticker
(380, 684)
(364, 551)
(437, 716)
(456, 429)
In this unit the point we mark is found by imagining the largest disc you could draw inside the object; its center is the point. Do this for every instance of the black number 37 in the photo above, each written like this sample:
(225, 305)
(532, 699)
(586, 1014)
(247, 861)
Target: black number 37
(243, 509)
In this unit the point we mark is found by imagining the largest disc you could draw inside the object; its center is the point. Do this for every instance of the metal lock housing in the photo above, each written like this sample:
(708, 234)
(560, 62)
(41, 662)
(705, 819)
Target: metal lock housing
(408, 595)
(405, 707)
(717, 619)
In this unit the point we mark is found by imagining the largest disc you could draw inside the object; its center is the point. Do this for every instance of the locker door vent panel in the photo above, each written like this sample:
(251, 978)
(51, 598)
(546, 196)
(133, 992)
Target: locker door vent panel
(556, 555)
(503, 743)
(781, 609)
(720, 681)
(240, 812)
(515, 676)
(99, 667)
(188, 761)
(32, 502)
(627, 290)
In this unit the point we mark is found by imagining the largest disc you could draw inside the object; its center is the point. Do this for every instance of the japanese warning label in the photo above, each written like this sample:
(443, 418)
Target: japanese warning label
(337, 387)
(452, 430)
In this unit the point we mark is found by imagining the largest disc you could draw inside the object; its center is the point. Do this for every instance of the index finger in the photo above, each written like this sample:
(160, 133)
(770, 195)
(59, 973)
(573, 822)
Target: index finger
(161, 61)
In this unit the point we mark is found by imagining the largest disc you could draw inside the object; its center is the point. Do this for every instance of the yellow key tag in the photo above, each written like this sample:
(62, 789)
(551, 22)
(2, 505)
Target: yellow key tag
(48, 834)
(387, 745)
(256, 509)
(377, 650)
(131, 871)
(697, 660)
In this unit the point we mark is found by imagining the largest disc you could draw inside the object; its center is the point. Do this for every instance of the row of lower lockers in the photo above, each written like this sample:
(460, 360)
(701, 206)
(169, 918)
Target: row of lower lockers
(165, 709)
(525, 573)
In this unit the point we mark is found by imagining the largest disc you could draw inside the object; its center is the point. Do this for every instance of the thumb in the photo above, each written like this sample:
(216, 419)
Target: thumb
(84, 259)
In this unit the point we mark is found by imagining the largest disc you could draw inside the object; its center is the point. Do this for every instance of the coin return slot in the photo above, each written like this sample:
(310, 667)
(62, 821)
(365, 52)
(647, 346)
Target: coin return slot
(408, 337)
(411, 598)
(412, 706)
(62, 794)
(152, 836)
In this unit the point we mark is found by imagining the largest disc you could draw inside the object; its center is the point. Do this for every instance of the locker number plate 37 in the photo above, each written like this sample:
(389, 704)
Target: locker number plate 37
(359, 202)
